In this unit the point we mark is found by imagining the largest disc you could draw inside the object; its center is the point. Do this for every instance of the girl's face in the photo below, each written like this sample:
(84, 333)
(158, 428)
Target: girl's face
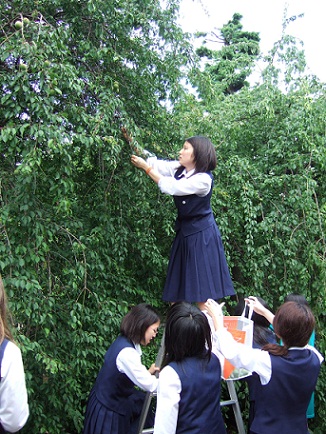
(150, 333)
(186, 156)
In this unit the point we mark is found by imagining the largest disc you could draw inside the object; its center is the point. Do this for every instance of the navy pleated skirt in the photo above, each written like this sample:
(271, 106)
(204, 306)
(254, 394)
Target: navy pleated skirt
(100, 420)
(198, 268)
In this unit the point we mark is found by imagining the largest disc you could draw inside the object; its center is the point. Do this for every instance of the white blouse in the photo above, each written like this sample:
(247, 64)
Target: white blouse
(199, 184)
(252, 359)
(14, 410)
(224, 346)
(129, 362)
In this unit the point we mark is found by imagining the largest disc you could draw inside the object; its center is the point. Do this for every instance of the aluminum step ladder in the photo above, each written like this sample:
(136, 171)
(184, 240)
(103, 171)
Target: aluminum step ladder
(150, 395)
(233, 401)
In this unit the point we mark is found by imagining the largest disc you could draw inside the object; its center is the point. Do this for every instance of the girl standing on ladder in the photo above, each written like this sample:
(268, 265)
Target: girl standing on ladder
(197, 268)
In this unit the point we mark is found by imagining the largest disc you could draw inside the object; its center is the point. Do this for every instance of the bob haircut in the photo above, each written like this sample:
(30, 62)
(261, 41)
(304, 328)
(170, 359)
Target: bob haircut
(204, 154)
(187, 334)
(293, 323)
(137, 321)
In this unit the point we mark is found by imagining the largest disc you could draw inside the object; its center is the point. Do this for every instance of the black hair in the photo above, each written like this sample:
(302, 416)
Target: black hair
(296, 297)
(262, 332)
(187, 333)
(137, 321)
(204, 154)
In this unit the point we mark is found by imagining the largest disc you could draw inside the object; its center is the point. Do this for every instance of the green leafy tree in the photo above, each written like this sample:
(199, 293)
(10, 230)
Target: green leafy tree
(231, 65)
(269, 197)
(84, 235)
(79, 243)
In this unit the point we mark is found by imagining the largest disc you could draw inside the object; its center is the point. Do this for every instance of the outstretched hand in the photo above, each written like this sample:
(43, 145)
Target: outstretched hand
(259, 308)
(138, 162)
(215, 311)
(255, 304)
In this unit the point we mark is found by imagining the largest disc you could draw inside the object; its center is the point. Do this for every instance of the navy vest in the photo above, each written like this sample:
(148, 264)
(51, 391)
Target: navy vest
(281, 404)
(199, 406)
(194, 212)
(2, 350)
(113, 388)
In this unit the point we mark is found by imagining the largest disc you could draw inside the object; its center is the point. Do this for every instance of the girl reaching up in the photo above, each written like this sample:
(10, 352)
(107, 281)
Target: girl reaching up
(288, 373)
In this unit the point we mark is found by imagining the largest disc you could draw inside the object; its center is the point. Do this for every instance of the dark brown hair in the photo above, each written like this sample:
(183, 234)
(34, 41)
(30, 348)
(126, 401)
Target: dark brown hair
(137, 321)
(204, 154)
(5, 331)
(293, 323)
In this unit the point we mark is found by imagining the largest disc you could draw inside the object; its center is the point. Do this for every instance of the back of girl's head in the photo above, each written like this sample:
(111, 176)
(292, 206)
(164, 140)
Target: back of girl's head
(293, 323)
(296, 297)
(204, 153)
(187, 333)
(137, 321)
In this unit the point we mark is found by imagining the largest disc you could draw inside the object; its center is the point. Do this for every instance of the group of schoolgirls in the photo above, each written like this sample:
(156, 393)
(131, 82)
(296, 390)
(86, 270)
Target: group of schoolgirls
(195, 341)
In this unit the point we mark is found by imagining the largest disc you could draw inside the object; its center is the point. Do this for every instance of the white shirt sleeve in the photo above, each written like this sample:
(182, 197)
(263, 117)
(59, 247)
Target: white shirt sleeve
(242, 356)
(14, 410)
(199, 184)
(168, 398)
(163, 167)
(129, 362)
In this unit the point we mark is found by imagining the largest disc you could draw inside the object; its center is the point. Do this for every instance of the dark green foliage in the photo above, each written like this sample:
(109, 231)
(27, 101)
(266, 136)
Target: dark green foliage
(84, 234)
(230, 65)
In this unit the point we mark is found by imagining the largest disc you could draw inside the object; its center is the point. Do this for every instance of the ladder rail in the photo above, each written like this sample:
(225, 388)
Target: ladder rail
(235, 406)
(149, 395)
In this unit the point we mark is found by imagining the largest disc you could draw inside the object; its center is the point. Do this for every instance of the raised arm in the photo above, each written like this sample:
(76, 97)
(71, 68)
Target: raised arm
(141, 164)
(260, 309)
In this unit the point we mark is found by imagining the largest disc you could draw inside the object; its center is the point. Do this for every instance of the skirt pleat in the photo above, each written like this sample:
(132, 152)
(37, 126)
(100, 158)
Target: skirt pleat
(198, 268)
(100, 420)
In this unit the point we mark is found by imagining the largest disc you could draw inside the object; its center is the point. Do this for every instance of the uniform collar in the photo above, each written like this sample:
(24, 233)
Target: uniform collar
(187, 174)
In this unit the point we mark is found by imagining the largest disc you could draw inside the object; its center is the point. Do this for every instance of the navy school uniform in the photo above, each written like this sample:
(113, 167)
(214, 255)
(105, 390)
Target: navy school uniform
(199, 406)
(197, 268)
(253, 380)
(293, 380)
(2, 350)
(113, 399)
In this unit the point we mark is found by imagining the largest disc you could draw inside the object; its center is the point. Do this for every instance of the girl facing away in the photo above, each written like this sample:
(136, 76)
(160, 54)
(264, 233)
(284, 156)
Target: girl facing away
(197, 267)
(188, 396)
(288, 373)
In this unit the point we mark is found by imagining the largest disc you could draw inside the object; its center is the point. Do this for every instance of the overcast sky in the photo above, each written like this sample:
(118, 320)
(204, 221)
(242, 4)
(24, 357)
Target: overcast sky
(265, 17)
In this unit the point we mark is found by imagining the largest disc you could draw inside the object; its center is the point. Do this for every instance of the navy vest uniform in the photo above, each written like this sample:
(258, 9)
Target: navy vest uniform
(2, 350)
(197, 269)
(293, 380)
(194, 212)
(112, 387)
(199, 406)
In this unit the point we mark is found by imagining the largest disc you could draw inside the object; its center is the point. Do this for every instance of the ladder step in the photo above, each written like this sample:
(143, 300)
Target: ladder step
(230, 402)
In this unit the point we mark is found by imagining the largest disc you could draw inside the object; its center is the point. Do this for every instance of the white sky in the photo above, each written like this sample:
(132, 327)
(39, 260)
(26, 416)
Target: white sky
(265, 17)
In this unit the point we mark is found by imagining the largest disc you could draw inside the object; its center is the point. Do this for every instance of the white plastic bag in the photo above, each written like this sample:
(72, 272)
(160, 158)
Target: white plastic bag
(241, 329)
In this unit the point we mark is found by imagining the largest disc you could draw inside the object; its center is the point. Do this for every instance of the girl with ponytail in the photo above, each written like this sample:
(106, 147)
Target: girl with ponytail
(288, 373)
